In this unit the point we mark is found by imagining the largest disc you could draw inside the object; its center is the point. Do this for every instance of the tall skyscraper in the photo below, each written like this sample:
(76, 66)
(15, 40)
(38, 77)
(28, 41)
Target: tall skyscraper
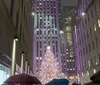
(87, 36)
(69, 19)
(46, 31)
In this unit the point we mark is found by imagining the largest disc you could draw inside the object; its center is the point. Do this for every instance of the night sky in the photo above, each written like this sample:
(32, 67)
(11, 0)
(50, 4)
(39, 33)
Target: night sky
(69, 2)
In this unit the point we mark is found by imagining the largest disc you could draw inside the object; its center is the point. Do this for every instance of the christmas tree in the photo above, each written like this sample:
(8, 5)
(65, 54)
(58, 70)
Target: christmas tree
(49, 68)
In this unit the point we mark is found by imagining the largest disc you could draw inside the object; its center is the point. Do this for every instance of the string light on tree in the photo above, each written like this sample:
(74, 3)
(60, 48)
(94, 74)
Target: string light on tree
(49, 68)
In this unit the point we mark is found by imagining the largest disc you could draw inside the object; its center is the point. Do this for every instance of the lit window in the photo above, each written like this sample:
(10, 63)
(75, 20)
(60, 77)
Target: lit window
(66, 49)
(73, 68)
(99, 22)
(95, 29)
(40, 3)
(82, 74)
(40, 58)
(94, 70)
(87, 73)
(67, 53)
(37, 58)
(89, 63)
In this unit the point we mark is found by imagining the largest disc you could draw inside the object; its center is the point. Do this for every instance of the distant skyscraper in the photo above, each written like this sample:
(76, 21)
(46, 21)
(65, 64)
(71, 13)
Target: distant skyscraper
(46, 30)
(88, 37)
(69, 19)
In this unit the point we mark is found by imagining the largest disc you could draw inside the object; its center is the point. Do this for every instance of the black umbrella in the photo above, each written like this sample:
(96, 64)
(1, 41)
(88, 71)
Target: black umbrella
(96, 77)
(90, 83)
(23, 79)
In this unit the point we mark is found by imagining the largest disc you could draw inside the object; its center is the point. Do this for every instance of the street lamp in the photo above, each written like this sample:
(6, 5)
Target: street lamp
(22, 61)
(14, 55)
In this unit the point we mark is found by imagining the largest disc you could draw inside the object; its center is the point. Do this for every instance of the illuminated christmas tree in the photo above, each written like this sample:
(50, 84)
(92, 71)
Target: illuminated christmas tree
(49, 68)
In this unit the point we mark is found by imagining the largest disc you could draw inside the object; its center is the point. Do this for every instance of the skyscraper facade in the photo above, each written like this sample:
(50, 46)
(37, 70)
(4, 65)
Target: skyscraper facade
(46, 30)
(63, 52)
(87, 37)
(69, 19)
(15, 22)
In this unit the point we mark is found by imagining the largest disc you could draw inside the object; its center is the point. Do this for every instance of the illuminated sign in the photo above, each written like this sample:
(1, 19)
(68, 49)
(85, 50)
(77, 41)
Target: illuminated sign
(73, 77)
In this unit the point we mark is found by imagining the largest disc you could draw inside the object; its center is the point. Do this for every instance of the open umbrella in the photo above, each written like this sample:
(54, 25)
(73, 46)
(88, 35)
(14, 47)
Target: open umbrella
(22, 78)
(58, 82)
(89, 83)
(95, 77)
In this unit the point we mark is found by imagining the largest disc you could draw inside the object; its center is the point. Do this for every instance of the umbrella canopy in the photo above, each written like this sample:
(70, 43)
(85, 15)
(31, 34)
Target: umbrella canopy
(58, 82)
(90, 83)
(96, 77)
(22, 78)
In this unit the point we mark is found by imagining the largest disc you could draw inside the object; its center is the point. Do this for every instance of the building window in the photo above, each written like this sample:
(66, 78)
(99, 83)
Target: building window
(40, 45)
(56, 47)
(99, 57)
(37, 32)
(90, 31)
(99, 22)
(45, 49)
(97, 42)
(40, 32)
(86, 49)
(56, 32)
(91, 14)
(95, 29)
(37, 48)
(20, 31)
(92, 44)
(91, 62)
(40, 53)
(17, 17)
(12, 7)
(22, 4)
(94, 70)
(87, 35)
(53, 50)
(44, 32)
(95, 9)
(89, 48)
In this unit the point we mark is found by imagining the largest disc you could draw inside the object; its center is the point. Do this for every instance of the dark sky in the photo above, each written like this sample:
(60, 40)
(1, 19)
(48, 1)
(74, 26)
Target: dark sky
(69, 2)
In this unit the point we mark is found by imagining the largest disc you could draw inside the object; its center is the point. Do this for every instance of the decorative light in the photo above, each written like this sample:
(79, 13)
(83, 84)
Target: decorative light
(49, 68)
(33, 13)
(83, 14)
(61, 32)
(48, 47)
(37, 29)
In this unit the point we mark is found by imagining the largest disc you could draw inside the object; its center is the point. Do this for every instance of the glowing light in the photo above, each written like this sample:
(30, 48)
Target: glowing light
(37, 29)
(73, 77)
(94, 70)
(49, 68)
(61, 32)
(33, 13)
(48, 47)
(83, 14)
